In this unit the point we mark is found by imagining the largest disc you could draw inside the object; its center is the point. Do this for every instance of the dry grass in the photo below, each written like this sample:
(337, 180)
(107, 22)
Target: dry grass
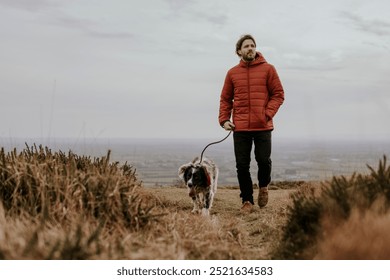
(226, 234)
(363, 236)
(59, 206)
(347, 218)
(62, 206)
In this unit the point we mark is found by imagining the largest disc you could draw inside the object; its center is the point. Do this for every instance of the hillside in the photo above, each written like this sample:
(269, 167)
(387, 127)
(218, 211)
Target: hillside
(56, 205)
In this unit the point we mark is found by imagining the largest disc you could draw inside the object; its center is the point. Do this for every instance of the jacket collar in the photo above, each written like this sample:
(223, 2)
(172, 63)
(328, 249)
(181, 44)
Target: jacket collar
(258, 60)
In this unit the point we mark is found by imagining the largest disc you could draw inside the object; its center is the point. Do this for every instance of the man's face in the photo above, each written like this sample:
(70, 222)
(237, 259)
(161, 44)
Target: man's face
(248, 50)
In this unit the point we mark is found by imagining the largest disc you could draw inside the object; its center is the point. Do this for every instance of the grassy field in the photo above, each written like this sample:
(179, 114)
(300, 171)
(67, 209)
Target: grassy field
(56, 205)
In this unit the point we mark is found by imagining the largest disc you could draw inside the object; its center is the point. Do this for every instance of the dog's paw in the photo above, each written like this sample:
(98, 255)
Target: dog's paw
(205, 212)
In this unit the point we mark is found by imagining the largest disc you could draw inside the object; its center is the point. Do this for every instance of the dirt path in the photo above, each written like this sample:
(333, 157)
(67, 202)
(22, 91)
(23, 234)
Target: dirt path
(259, 230)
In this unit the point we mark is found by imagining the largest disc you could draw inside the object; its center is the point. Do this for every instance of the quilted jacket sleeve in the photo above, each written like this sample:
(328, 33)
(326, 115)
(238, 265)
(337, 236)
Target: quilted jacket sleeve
(226, 100)
(276, 93)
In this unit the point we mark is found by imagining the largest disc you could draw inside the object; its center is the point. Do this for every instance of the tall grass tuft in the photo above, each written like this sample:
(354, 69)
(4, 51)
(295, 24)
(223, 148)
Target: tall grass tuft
(73, 199)
(315, 217)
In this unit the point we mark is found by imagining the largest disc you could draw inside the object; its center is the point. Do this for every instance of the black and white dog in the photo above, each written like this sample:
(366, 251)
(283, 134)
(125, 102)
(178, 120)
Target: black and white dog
(201, 180)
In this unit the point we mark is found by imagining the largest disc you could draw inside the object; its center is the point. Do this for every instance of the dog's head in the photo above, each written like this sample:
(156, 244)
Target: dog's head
(195, 175)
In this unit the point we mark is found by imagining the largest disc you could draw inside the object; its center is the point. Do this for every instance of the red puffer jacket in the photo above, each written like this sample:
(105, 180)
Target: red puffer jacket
(253, 93)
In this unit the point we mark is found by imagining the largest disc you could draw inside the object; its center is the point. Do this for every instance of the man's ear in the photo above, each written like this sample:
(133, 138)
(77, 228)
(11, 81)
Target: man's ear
(239, 52)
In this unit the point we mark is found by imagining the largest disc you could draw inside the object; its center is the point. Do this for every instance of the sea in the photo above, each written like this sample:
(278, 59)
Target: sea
(157, 161)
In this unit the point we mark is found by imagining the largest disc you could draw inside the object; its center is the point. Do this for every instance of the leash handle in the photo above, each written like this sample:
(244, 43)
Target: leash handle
(201, 155)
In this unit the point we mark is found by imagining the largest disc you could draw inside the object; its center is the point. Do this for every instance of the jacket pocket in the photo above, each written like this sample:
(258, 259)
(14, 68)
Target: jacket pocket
(258, 118)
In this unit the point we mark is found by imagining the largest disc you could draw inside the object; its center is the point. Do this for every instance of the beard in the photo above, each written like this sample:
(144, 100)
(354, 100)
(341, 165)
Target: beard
(249, 56)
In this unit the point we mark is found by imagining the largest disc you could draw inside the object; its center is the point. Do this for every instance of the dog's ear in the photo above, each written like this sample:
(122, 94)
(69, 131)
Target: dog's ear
(183, 169)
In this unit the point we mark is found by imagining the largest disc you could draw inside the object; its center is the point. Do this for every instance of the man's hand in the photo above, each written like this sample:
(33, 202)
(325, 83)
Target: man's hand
(229, 126)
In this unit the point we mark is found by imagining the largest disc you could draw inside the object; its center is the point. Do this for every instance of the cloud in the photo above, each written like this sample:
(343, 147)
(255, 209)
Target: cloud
(208, 11)
(89, 27)
(379, 27)
(178, 5)
(214, 18)
(29, 5)
(58, 17)
(312, 61)
(74, 23)
(110, 35)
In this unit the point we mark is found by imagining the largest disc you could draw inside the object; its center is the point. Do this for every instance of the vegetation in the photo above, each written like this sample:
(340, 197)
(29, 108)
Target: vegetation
(63, 206)
(56, 205)
(345, 219)
(59, 206)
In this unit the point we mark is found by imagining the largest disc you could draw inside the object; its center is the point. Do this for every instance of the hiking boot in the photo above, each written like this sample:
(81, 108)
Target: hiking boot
(246, 207)
(263, 196)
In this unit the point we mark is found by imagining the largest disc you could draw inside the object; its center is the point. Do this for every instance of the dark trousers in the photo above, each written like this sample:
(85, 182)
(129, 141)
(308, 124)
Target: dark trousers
(243, 142)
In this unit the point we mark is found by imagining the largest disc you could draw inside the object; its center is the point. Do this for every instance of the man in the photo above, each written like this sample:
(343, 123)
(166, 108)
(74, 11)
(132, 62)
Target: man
(252, 93)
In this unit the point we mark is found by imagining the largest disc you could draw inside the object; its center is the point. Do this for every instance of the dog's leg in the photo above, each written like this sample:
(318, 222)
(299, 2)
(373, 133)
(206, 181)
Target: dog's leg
(195, 201)
(199, 202)
(207, 201)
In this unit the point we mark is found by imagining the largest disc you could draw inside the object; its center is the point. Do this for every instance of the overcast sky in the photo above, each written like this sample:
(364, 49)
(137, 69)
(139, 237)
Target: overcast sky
(155, 69)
